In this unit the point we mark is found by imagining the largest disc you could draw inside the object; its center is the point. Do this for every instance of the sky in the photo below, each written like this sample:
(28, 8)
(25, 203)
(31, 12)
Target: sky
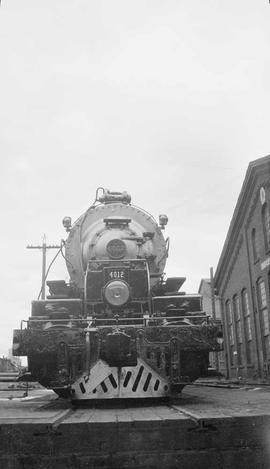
(168, 100)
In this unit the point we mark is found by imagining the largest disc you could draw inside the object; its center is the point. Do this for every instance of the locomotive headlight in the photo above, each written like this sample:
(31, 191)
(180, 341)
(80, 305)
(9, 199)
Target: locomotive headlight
(116, 293)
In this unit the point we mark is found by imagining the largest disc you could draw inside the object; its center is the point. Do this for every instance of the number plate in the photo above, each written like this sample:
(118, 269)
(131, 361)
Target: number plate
(115, 274)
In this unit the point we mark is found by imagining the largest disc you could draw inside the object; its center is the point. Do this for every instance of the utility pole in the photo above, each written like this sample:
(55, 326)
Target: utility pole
(44, 248)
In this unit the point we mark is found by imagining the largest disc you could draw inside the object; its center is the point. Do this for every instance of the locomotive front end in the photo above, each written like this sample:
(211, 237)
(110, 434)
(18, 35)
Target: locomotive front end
(118, 329)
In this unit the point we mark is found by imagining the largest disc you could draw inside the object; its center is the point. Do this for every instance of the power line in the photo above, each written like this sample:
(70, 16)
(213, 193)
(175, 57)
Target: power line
(44, 247)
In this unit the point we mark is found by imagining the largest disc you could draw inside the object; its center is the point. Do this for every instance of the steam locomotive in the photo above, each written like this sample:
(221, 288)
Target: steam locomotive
(119, 328)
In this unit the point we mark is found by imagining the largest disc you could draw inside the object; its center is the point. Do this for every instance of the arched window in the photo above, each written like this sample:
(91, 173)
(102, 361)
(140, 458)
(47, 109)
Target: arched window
(264, 315)
(254, 245)
(247, 323)
(238, 329)
(266, 225)
(228, 309)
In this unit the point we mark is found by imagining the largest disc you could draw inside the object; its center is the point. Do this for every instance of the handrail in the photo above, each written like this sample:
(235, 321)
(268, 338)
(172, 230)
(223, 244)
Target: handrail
(143, 320)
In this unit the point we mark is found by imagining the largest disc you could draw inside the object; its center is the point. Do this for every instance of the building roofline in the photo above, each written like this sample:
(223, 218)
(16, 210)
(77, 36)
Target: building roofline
(206, 280)
(239, 213)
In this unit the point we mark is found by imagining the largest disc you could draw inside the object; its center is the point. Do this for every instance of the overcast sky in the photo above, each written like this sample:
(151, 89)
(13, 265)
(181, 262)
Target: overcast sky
(168, 100)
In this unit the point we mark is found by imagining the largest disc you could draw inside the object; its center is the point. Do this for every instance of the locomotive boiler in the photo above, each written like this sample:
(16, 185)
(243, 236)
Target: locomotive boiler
(118, 328)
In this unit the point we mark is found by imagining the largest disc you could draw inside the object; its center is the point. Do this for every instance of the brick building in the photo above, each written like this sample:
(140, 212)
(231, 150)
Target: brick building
(242, 278)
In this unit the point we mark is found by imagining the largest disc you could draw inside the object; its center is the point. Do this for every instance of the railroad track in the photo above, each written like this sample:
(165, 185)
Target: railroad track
(8, 376)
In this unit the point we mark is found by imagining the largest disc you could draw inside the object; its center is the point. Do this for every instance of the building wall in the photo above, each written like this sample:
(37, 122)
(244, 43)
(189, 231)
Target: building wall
(6, 365)
(244, 288)
(216, 359)
(205, 291)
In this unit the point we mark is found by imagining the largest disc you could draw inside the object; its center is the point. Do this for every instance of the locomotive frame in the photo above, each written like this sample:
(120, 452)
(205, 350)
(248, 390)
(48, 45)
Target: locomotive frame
(118, 329)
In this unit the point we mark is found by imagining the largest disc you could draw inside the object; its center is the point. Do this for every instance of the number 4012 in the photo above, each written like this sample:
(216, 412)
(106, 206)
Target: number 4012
(116, 274)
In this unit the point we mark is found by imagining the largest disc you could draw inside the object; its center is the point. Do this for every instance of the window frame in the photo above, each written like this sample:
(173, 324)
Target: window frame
(266, 226)
(254, 243)
(263, 317)
(231, 341)
(247, 323)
